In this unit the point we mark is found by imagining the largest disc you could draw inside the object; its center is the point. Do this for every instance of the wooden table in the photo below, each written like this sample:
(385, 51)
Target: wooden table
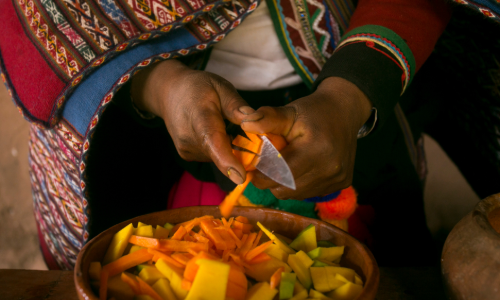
(395, 284)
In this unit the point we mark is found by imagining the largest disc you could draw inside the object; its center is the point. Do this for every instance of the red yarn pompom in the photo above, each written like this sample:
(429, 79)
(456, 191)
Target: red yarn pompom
(339, 208)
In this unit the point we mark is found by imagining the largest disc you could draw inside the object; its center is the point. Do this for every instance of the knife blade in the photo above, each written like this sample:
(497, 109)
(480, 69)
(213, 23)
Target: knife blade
(273, 165)
(270, 162)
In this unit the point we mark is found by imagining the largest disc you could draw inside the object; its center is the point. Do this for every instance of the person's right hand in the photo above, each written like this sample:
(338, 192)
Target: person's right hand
(193, 105)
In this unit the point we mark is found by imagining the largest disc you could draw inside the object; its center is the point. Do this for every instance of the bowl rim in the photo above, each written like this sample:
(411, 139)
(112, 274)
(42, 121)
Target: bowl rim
(370, 285)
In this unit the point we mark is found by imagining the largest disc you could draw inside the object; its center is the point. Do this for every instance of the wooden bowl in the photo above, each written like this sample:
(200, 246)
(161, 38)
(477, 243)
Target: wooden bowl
(356, 255)
(470, 262)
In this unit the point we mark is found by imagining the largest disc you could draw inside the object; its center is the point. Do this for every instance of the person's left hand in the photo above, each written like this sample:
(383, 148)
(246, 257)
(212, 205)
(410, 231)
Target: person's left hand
(321, 131)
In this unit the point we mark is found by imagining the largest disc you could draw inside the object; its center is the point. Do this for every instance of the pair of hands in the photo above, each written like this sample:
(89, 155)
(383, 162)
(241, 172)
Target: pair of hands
(321, 129)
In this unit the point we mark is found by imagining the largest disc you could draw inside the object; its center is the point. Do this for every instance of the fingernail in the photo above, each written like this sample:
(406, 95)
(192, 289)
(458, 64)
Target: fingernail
(254, 117)
(246, 110)
(234, 176)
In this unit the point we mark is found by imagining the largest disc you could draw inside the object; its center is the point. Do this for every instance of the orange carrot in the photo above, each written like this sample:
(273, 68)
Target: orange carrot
(182, 258)
(189, 225)
(179, 234)
(200, 238)
(166, 257)
(248, 244)
(181, 246)
(186, 284)
(235, 238)
(144, 241)
(132, 283)
(246, 228)
(237, 259)
(192, 267)
(260, 258)
(225, 255)
(234, 291)
(209, 228)
(257, 239)
(228, 239)
(257, 250)
(226, 207)
(127, 261)
(238, 232)
(276, 278)
(146, 289)
(242, 219)
(243, 241)
(230, 222)
(224, 221)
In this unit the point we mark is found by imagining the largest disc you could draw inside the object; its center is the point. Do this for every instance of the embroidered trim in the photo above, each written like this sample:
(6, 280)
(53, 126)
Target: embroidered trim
(390, 41)
(483, 8)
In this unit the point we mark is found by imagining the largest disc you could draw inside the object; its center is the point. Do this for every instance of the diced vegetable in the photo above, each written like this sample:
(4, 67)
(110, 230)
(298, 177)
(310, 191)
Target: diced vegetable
(118, 244)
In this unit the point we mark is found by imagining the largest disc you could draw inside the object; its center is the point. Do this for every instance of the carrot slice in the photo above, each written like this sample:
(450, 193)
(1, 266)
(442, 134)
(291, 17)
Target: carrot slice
(127, 261)
(242, 219)
(238, 232)
(226, 207)
(243, 241)
(181, 246)
(260, 258)
(276, 278)
(144, 241)
(182, 258)
(165, 257)
(213, 234)
(237, 259)
(257, 239)
(179, 234)
(132, 282)
(146, 289)
(186, 284)
(257, 250)
(252, 143)
(248, 244)
(200, 238)
(246, 228)
(230, 222)
(189, 225)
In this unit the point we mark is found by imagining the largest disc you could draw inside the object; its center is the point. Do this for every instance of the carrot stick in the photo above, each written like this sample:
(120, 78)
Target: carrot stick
(243, 241)
(260, 258)
(242, 219)
(179, 234)
(144, 241)
(209, 228)
(228, 239)
(181, 246)
(257, 250)
(189, 225)
(132, 283)
(248, 244)
(257, 239)
(182, 258)
(226, 207)
(224, 221)
(166, 257)
(127, 261)
(237, 259)
(186, 284)
(235, 238)
(276, 278)
(246, 228)
(146, 289)
(200, 238)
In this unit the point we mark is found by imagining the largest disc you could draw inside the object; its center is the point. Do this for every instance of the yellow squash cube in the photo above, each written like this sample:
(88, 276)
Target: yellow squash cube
(348, 291)
(210, 282)
(261, 291)
(118, 244)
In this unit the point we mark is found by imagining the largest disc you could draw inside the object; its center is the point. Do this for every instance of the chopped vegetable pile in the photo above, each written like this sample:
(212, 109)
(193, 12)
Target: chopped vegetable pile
(219, 259)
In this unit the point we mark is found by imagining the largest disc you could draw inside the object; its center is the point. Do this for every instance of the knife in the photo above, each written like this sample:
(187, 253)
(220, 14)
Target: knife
(270, 162)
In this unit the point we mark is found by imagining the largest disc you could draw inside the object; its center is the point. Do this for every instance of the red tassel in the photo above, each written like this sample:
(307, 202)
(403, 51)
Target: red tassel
(339, 208)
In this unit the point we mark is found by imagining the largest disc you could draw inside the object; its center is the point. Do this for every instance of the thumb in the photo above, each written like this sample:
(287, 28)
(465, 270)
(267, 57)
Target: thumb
(277, 120)
(233, 107)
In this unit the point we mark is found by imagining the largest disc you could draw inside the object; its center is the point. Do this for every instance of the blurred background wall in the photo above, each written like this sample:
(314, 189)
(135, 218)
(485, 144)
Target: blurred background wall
(448, 197)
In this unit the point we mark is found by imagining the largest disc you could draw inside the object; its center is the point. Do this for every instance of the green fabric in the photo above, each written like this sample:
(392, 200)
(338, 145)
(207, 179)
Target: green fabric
(266, 198)
(391, 36)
